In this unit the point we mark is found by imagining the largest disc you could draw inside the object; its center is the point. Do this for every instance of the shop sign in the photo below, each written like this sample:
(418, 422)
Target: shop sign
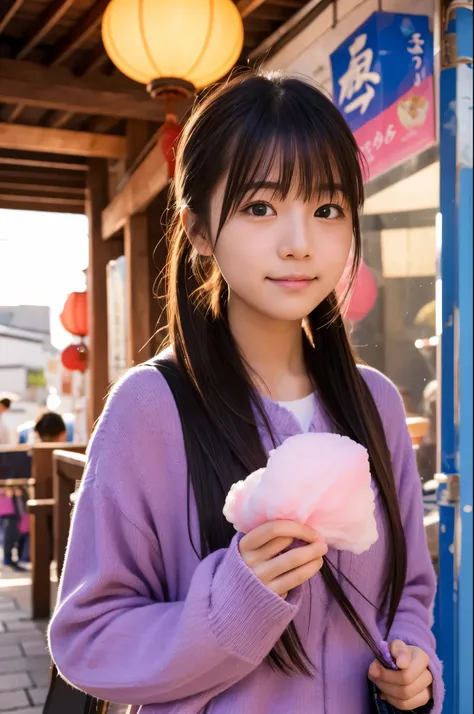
(117, 318)
(35, 378)
(383, 85)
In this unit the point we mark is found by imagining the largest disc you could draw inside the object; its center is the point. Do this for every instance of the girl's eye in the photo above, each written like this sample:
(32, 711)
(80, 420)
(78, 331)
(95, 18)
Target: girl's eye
(330, 211)
(259, 210)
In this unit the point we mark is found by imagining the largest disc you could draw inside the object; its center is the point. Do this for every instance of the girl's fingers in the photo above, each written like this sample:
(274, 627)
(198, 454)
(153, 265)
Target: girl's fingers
(291, 560)
(268, 551)
(401, 654)
(408, 706)
(419, 664)
(276, 529)
(406, 692)
(293, 579)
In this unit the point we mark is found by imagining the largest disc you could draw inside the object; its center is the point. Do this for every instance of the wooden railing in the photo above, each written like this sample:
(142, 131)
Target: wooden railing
(68, 469)
(45, 532)
(36, 474)
(41, 513)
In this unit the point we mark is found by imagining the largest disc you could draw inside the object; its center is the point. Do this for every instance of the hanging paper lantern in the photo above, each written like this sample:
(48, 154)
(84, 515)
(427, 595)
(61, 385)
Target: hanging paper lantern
(363, 295)
(173, 46)
(75, 357)
(74, 315)
(170, 132)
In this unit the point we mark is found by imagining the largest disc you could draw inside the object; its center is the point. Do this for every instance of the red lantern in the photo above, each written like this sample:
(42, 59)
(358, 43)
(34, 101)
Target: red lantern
(74, 315)
(75, 357)
(363, 296)
(170, 132)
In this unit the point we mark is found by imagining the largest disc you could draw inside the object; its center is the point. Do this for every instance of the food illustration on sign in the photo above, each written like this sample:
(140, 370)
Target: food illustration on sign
(413, 111)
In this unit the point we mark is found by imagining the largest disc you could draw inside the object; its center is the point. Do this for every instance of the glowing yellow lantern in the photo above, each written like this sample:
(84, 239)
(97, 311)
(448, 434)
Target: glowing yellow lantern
(173, 46)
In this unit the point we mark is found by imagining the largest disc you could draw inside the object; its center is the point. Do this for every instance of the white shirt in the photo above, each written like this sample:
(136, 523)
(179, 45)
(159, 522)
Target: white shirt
(303, 409)
(5, 437)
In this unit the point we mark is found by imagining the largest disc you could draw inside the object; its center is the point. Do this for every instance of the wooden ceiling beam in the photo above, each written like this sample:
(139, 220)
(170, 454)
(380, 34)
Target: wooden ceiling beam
(246, 7)
(50, 17)
(101, 125)
(45, 198)
(253, 38)
(41, 188)
(57, 119)
(144, 184)
(32, 204)
(25, 82)
(95, 60)
(81, 32)
(61, 141)
(10, 13)
(48, 178)
(256, 24)
(277, 13)
(15, 112)
(293, 4)
(42, 161)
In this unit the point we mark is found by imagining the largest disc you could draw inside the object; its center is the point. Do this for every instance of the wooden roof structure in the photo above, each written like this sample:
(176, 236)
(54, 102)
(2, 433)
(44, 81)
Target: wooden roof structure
(63, 102)
(77, 136)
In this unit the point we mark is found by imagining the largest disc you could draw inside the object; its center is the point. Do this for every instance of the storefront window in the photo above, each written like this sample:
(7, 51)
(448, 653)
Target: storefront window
(398, 335)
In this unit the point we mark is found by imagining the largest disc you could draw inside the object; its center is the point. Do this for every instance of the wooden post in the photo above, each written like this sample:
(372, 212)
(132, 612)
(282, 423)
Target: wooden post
(99, 256)
(40, 548)
(68, 469)
(138, 133)
(137, 261)
(138, 288)
(61, 518)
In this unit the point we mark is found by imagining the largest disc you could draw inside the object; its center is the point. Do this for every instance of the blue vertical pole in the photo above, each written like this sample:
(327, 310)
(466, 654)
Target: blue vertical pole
(447, 314)
(465, 257)
(454, 605)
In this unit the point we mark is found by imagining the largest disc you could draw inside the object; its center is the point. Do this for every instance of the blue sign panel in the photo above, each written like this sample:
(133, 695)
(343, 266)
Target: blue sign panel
(379, 63)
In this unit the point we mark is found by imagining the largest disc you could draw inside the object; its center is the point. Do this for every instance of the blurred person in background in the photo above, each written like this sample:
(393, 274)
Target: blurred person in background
(51, 428)
(15, 527)
(5, 405)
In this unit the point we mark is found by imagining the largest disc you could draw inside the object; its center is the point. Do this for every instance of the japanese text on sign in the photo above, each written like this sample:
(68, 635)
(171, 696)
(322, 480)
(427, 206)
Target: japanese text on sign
(415, 48)
(359, 76)
(377, 142)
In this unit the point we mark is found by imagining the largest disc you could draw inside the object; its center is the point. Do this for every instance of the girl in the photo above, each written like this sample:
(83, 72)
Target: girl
(161, 605)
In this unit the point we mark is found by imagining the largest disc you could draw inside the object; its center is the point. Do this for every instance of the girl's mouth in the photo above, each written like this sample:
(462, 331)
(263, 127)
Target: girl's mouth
(292, 282)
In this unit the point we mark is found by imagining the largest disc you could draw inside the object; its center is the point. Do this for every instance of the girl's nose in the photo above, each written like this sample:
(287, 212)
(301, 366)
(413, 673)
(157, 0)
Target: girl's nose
(296, 241)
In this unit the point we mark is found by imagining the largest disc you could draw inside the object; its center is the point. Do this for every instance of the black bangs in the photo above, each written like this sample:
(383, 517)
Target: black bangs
(294, 139)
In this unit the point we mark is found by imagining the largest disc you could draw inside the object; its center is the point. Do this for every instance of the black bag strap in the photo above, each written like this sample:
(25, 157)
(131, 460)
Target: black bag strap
(63, 698)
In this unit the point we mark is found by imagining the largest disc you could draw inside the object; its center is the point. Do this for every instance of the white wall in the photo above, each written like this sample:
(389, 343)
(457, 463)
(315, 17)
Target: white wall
(13, 379)
(16, 351)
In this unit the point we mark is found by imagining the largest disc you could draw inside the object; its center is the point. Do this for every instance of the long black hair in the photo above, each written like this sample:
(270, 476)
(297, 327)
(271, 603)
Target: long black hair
(241, 132)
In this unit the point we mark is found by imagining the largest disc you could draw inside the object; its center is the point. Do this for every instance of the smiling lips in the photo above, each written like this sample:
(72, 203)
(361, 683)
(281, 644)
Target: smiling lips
(293, 282)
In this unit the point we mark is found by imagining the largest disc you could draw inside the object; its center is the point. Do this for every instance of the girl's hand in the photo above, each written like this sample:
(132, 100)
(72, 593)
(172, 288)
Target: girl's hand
(262, 551)
(411, 686)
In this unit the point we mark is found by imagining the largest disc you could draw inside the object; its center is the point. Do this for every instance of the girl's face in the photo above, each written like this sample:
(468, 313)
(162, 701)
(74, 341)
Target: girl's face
(281, 257)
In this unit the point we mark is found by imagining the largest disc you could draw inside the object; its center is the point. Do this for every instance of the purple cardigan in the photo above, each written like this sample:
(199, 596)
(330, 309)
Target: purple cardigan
(141, 621)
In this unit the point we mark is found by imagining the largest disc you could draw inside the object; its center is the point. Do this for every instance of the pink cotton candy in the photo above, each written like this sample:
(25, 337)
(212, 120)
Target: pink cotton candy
(321, 480)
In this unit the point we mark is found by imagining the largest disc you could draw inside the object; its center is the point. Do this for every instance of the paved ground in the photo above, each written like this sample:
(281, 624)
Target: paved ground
(24, 661)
